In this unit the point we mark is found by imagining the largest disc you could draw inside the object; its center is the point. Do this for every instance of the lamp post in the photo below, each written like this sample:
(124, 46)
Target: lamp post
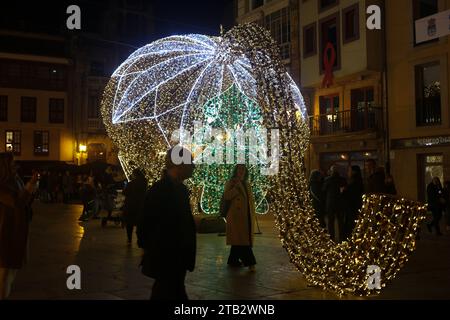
(82, 150)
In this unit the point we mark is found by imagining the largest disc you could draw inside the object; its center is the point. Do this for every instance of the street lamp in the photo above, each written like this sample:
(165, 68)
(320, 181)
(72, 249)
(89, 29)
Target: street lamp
(82, 148)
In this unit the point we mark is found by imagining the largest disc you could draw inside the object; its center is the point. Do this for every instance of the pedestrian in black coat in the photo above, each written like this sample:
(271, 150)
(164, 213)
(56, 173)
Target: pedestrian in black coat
(317, 196)
(166, 230)
(134, 200)
(352, 196)
(332, 188)
(436, 202)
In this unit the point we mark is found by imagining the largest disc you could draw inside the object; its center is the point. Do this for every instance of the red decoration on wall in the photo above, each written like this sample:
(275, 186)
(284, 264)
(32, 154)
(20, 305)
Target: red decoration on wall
(328, 64)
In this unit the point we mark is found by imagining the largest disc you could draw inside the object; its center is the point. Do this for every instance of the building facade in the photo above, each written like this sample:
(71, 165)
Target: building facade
(52, 79)
(418, 79)
(36, 119)
(281, 18)
(97, 51)
(342, 65)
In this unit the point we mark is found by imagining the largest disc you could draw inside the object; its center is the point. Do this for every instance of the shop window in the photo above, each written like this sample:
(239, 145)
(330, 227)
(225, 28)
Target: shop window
(344, 160)
(430, 166)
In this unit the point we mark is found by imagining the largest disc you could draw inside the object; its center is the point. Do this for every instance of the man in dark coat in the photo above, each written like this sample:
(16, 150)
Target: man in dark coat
(332, 189)
(134, 198)
(166, 229)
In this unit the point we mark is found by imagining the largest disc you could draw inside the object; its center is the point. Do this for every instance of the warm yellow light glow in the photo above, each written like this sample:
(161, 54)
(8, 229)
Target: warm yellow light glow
(82, 148)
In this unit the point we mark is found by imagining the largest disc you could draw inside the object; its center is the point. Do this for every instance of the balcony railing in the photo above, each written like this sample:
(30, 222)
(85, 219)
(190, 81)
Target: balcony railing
(428, 111)
(95, 124)
(361, 119)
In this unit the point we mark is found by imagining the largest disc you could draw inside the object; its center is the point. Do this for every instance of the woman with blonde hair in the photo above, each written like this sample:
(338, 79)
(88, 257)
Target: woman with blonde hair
(15, 214)
(240, 217)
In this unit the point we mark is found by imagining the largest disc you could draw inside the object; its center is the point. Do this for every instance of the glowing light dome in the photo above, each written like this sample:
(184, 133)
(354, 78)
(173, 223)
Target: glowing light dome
(178, 73)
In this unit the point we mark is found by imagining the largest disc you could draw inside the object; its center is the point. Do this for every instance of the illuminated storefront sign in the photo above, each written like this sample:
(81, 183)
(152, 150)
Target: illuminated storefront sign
(420, 142)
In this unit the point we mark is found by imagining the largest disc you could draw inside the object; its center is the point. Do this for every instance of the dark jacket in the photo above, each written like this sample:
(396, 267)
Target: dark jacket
(15, 202)
(352, 197)
(390, 188)
(332, 193)
(315, 190)
(166, 230)
(435, 196)
(376, 182)
(134, 199)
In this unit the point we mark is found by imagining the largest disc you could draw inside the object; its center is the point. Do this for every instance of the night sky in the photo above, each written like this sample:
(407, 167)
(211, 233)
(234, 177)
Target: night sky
(170, 16)
(199, 16)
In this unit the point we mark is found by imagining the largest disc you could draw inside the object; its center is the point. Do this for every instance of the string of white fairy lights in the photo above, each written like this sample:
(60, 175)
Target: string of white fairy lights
(164, 86)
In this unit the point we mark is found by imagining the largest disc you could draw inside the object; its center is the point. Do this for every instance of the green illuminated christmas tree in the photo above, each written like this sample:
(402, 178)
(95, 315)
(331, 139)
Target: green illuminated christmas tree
(230, 113)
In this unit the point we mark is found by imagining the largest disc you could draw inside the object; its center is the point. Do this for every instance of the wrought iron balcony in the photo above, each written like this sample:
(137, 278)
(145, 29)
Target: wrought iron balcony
(95, 124)
(357, 120)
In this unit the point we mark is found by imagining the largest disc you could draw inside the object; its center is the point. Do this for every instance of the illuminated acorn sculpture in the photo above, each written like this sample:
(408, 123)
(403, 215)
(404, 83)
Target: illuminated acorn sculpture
(168, 87)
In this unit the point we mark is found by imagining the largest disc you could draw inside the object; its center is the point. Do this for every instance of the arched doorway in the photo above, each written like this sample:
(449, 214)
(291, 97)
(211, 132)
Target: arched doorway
(96, 152)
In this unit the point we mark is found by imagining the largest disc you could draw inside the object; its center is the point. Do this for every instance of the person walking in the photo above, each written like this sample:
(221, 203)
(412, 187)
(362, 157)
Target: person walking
(332, 188)
(15, 216)
(240, 218)
(436, 202)
(352, 197)
(134, 197)
(88, 199)
(315, 190)
(166, 229)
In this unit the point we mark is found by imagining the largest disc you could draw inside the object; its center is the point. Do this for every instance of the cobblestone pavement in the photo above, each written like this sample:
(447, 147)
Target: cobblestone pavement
(109, 267)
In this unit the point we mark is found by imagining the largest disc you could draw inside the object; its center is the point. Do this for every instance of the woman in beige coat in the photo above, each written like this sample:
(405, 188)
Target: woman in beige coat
(240, 218)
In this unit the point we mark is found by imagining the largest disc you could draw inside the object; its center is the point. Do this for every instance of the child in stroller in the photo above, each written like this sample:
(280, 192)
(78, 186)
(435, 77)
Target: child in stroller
(112, 203)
